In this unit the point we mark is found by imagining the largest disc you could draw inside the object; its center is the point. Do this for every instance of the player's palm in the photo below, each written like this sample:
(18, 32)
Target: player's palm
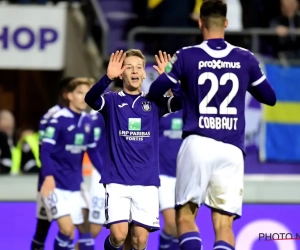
(48, 186)
(115, 67)
(162, 60)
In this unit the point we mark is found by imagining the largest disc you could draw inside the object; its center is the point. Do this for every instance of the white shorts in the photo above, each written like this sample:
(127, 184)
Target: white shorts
(136, 204)
(40, 208)
(212, 172)
(63, 202)
(85, 197)
(97, 200)
(167, 192)
(41, 211)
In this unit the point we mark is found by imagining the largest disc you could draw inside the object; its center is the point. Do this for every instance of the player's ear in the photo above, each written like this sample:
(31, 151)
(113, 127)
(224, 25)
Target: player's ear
(121, 77)
(144, 74)
(226, 23)
(69, 96)
(200, 23)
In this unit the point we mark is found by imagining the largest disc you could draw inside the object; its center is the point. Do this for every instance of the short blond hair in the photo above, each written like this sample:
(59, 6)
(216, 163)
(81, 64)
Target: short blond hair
(137, 53)
(79, 81)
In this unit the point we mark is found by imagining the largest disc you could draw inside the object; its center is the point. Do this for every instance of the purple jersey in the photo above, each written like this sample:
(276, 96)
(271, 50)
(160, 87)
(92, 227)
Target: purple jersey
(215, 76)
(42, 126)
(132, 133)
(44, 120)
(170, 139)
(132, 124)
(66, 138)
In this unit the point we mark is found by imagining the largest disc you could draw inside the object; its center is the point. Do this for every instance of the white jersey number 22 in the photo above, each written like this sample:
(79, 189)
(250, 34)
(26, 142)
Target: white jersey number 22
(215, 83)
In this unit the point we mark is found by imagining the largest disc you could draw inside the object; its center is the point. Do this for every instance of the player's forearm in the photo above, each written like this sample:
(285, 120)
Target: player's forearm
(263, 93)
(161, 85)
(93, 97)
(175, 104)
(95, 158)
(47, 166)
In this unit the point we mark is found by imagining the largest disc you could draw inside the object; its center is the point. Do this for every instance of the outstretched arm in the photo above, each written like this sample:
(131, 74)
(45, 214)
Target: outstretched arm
(168, 78)
(94, 97)
(259, 86)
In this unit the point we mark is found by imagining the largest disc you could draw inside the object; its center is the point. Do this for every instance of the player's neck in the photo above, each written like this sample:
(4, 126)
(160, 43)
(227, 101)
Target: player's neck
(75, 110)
(213, 35)
(132, 91)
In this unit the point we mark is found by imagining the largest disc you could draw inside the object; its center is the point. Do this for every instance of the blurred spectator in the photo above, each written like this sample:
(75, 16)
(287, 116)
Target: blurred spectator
(5, 154)
(7, 126)
(26, 154)
(172, 14)
(288, 20)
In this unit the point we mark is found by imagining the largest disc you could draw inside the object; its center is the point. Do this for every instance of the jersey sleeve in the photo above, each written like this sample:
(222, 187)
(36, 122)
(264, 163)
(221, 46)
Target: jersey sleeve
(174, 71)
(175, 67)
(95, 97)
(52, 130)
(256, 74)
(259, 86)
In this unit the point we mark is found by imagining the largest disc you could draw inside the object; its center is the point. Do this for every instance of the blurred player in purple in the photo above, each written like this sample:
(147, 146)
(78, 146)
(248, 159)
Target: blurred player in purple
(170, 139)
(214, 77)
(43, 224)
(67, 136)
(131, 169)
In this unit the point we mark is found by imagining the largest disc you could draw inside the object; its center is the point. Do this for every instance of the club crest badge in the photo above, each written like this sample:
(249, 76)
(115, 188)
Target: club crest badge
(146, 106)
(87, 128)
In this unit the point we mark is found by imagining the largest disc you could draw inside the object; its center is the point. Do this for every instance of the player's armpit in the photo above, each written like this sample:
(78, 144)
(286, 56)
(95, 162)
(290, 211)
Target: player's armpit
(93, 98)
(263, 92)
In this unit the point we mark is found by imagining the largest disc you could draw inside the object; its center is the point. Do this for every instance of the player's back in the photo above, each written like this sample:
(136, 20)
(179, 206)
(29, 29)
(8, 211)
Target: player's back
(215, 80)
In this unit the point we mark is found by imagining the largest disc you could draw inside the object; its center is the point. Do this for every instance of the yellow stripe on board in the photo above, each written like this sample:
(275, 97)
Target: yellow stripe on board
(283, 112)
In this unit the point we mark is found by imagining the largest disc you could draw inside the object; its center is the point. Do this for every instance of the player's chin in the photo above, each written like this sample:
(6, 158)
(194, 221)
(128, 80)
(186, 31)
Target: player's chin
(83, 107)
(135, 84)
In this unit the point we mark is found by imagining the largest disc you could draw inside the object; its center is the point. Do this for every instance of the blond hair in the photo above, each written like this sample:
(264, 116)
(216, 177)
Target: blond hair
(137, 53)
(79, 81)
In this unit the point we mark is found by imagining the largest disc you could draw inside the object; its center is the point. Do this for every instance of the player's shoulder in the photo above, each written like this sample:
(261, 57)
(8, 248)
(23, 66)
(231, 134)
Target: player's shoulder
(60, 115)
(50, 112)
(204, 48)
(113, 93)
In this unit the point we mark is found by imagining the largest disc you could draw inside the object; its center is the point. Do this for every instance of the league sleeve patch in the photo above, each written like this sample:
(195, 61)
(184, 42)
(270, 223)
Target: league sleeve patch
(174, 59)
(169, 67)
(50, 131)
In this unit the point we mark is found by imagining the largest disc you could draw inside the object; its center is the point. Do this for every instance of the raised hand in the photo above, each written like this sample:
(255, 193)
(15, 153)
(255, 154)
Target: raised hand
(162, 60)
(115, 68)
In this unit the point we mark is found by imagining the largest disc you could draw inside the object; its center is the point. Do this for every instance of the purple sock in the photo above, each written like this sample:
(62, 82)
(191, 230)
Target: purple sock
(175, 244)
(190, 241)
(109, 246)
(222, 245)
(71, 245)
(165, 241)
(61, 242)
(86, 241)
